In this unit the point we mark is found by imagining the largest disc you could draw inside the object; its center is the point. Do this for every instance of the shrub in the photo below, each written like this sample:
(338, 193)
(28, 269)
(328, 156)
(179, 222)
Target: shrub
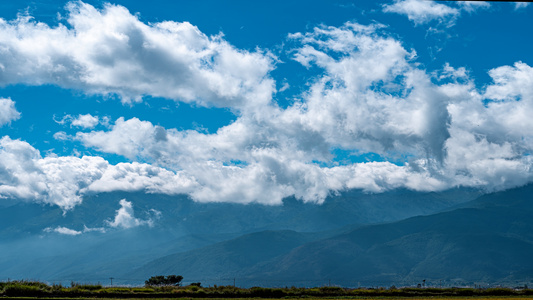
(19, 290)
(164, 280)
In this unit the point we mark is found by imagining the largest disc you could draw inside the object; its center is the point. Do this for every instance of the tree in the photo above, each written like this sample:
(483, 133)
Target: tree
(164, 280)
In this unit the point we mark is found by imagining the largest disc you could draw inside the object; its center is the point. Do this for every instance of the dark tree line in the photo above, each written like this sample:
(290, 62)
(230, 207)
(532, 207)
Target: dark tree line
(164, 280)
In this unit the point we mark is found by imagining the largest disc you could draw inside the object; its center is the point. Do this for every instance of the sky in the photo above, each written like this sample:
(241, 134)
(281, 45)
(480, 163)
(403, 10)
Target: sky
(255, 101)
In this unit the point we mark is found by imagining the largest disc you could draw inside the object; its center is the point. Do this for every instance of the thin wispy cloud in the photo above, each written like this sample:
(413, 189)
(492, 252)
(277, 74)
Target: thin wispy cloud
(427, 11)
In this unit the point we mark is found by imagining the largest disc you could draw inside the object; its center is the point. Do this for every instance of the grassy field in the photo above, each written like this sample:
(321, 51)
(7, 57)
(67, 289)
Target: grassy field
(307, 298)
(35, 289)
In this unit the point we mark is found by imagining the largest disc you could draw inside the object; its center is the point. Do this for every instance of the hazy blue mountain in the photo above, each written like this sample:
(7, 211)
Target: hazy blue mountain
(226, 260)
(182, 225)
(182, 216)
(488, 241)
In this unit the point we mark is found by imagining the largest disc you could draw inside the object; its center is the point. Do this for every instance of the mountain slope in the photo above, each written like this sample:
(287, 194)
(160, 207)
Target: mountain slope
(181, 225)
(489, 242)
(182, 216)
(227, 259)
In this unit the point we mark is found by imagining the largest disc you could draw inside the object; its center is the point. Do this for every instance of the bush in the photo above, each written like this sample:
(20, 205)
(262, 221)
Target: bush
(193, 288)
(164, 280)
(332, 290)
(19, 290)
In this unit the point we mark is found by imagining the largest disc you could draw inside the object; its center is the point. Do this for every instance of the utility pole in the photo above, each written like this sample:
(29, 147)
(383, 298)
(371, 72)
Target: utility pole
(111, 278)
(233, 281)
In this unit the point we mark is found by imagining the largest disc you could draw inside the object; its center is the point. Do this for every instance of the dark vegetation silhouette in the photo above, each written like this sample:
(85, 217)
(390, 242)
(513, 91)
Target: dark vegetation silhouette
(164, 280)
(38, 289)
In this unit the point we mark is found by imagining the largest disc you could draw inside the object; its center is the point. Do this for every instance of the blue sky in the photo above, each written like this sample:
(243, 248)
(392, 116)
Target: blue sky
(247, 101)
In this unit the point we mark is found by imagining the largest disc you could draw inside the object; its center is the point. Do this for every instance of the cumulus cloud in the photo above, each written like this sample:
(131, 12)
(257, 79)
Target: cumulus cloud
(125, 217)
(111, 52)
(265, 175)
(8, 112)
(85, 121)
(370, 96)
(63, 181)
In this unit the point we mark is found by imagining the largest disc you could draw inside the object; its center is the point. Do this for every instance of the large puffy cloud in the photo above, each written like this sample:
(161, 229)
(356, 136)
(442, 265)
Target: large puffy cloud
(253, 168)
(374, 98)
(63, 181)
(370, 97)
(110, 51)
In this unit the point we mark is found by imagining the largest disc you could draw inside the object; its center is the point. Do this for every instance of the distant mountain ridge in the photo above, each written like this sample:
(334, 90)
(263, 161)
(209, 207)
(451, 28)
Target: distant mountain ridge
(184, 225)
(489, 242)
(181, 216)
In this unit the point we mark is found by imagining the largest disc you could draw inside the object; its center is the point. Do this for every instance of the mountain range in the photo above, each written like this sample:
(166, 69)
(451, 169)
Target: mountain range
(457, 237)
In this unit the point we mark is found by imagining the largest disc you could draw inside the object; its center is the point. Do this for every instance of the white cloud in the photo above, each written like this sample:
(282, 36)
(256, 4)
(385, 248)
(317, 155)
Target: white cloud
(63, 230)
(97, 229)
(125, 217)
(391, 109)
(85, 121)
(62, 136)
(8, 112)
(63, 181)
(422, 11)
(511, 82)
(142, 177)
(111, 52)
(370, 97)
(519, 5)
(472, 6)
(125, 139)
(426, 11)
